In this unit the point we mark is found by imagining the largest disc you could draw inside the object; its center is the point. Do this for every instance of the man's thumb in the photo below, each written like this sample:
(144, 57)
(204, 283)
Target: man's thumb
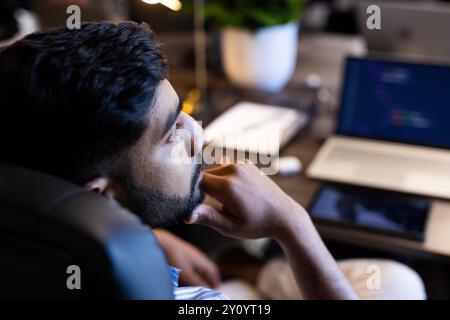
(208, 216)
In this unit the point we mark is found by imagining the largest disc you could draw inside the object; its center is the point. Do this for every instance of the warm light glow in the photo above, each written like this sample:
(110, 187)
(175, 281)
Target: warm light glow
(191, 101)
(175, 5)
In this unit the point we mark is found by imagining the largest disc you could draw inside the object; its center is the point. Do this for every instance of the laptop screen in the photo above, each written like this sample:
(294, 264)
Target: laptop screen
(396, 101)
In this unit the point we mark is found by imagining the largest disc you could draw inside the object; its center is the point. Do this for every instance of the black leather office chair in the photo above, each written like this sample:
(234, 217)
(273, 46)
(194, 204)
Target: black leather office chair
(48, 225)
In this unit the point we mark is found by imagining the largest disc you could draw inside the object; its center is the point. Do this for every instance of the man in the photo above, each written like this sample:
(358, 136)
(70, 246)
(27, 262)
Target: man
(94, 106)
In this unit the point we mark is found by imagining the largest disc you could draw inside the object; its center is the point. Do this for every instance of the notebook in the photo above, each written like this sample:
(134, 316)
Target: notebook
(256, 128)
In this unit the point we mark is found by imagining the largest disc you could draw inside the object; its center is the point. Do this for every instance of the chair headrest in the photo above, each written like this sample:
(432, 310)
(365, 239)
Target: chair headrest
(112, 245)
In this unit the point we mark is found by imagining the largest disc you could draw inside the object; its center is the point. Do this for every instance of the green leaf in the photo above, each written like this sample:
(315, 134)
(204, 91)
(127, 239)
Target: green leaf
(254, 14)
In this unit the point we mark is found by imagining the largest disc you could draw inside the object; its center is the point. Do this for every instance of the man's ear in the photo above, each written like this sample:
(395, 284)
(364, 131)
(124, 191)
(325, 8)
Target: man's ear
(103, 186)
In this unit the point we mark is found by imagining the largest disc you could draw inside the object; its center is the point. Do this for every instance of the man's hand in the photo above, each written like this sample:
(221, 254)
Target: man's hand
(253, 205)
(197, 268)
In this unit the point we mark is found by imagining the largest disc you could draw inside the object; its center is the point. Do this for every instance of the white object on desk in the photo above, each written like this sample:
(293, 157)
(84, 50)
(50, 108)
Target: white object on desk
(264, 59)
(289, 166)
(256, 128)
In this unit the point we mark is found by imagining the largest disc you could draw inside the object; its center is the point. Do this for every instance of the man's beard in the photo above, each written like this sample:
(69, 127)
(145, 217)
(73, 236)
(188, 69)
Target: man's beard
(158, 209)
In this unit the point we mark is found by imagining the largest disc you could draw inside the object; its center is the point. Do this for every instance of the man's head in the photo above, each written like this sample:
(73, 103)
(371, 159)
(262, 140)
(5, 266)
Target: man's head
(93, 106)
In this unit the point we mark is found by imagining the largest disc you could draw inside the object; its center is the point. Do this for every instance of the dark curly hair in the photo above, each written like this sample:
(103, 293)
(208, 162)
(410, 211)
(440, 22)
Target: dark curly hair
(72, 101)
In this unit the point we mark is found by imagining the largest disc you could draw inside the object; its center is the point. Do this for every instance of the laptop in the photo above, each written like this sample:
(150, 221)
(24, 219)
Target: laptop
(393, 129)
(415, 29)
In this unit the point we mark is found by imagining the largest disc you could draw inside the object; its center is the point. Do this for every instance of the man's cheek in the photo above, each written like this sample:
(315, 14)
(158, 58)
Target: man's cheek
(178, 155)
(181, 176)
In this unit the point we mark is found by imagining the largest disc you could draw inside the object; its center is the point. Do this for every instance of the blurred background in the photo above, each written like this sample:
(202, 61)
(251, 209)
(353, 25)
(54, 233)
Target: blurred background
(334, 25)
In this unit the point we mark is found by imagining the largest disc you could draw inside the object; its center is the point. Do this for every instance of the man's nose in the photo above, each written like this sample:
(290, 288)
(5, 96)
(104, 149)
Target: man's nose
(197, 137)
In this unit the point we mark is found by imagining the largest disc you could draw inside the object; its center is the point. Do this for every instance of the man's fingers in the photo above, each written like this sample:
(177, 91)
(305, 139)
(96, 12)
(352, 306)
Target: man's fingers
(216, 186)
(222, 170)
(210, 273)
(208, 216)
(190, 277)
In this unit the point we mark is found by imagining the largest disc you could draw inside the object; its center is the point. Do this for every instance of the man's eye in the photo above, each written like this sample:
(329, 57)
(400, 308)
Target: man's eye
(176, 135)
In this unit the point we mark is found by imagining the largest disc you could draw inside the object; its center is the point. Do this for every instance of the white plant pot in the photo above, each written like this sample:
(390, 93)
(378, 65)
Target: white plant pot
(264, 59)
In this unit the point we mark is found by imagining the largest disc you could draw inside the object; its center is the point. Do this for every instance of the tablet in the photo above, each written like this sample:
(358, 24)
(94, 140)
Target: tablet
(371, 210)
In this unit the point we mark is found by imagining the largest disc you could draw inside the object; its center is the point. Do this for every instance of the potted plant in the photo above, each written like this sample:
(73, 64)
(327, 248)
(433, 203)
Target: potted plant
(259, 40)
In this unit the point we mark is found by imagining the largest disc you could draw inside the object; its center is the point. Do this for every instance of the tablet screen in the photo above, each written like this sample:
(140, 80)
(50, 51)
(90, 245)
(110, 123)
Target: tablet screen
(401, 215)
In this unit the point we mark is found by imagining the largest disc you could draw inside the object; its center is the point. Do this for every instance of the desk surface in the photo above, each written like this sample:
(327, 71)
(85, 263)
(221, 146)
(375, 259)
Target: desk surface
(324, 55)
